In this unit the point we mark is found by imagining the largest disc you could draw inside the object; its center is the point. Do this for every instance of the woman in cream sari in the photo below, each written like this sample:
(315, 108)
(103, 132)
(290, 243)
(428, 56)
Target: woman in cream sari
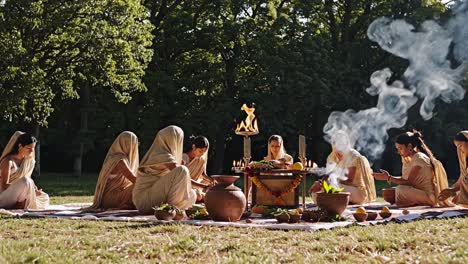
(423, 176)
(115, 182)
(276, 150)
(161, 177)
(195, 158)
(17, 189)
(461, 186)
(356, 169)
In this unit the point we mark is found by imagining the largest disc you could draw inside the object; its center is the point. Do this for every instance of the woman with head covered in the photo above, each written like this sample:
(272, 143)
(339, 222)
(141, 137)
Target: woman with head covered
(117, 176)
(161, 178)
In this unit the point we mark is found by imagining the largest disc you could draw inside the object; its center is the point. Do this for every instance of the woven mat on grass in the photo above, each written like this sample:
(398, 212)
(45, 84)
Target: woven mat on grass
(73, 211)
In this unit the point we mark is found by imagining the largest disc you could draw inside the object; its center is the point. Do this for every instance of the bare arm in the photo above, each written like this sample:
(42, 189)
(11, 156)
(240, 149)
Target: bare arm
(384, 175)
(5, 174)
(123, 168)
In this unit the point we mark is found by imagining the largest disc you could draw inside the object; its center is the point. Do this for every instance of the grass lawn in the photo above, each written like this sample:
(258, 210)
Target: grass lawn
(67, 241)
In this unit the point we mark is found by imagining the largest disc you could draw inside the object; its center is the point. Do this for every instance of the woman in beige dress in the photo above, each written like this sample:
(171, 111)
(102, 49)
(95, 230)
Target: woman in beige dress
(355, 169)
(17, 189)
(423, 177)
(118, 174)
(195, 158)
(460, 189)
(276, 150)
(161, 178)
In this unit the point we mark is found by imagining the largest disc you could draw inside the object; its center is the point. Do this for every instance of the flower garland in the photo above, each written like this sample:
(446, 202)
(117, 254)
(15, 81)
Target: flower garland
(277, 194)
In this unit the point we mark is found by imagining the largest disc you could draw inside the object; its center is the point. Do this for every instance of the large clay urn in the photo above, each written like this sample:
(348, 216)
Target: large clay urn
(389, 194)
(333, 203)
(225, 202)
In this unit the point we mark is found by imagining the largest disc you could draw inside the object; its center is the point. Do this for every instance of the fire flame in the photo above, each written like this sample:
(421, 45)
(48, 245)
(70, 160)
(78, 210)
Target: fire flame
(250, 123)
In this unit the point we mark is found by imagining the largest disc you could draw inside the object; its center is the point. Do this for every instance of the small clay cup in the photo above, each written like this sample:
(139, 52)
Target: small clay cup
(371, 216)
(360, 217)
(385, 215)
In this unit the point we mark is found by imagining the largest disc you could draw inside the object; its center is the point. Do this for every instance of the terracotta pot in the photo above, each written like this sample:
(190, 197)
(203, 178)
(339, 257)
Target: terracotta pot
(360, 217)
(164, 215)
(283, 218)
(333, 203)
(294, 218)
(389, 194)
(385, 215)
(225, 202)
(371, 216)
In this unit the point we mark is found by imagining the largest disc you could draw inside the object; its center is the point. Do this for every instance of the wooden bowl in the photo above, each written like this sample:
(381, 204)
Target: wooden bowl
(360, 217)
(371, 216)
(385, 215)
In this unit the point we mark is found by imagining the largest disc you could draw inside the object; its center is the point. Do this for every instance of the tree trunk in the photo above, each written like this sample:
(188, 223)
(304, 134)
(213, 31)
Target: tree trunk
(84, 99)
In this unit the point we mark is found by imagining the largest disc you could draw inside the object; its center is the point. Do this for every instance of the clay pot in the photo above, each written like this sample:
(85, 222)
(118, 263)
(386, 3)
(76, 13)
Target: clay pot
(165, 215)
(333, 203)
(389, 194)
(293, 218)
(371, 216)
(385, 215)
(180, 215)
(283, 218)
(225, 202)
(360, 217)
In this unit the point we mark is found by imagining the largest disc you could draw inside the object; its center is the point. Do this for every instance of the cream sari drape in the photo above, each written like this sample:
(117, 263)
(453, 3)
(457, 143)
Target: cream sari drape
(197, 168)
(116, 191)
(21, 181)
(362, 188)
(155, 184)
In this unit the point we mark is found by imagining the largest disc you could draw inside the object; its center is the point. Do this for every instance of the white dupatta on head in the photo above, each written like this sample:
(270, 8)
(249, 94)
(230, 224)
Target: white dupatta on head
(124, 147)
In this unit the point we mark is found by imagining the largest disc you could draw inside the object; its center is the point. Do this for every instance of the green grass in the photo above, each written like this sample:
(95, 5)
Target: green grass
(67, 241)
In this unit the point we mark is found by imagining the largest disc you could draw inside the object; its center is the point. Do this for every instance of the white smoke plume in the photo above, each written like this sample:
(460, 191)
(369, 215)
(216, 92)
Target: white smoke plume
(437, 58)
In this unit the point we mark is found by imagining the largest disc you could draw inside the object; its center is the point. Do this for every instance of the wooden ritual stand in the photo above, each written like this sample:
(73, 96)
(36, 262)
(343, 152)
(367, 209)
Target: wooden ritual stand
(276, 180)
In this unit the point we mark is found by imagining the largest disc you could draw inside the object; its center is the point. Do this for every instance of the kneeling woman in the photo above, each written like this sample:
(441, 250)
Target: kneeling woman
(359, 183)
(460, 188)
(117, 176)
(161, 177)
(195, 158)
(17, 189)
(422, 175)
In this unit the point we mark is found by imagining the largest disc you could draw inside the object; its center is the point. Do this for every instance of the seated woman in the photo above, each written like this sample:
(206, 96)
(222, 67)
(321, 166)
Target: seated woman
(358, 172)
(117, 177)
(161, 178)
(195, 158)
(17, 189)
(461, 186)
(276, 150)
(423, 175)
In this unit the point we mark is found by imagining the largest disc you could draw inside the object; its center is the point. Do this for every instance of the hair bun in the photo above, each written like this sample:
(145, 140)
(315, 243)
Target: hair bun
(417, 134)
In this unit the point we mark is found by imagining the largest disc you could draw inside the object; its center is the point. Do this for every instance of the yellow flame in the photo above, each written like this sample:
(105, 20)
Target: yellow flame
(250, 122)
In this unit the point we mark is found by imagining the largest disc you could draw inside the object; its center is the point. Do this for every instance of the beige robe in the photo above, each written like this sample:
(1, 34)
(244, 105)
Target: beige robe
(22, 188)
(156, 184)
(115, 190)
(362, 188)
(463, 179)
(421, 191)
(197, 168)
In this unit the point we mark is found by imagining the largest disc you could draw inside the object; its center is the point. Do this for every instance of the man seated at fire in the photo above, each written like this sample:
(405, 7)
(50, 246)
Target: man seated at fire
(358, 180)
(460, 189)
